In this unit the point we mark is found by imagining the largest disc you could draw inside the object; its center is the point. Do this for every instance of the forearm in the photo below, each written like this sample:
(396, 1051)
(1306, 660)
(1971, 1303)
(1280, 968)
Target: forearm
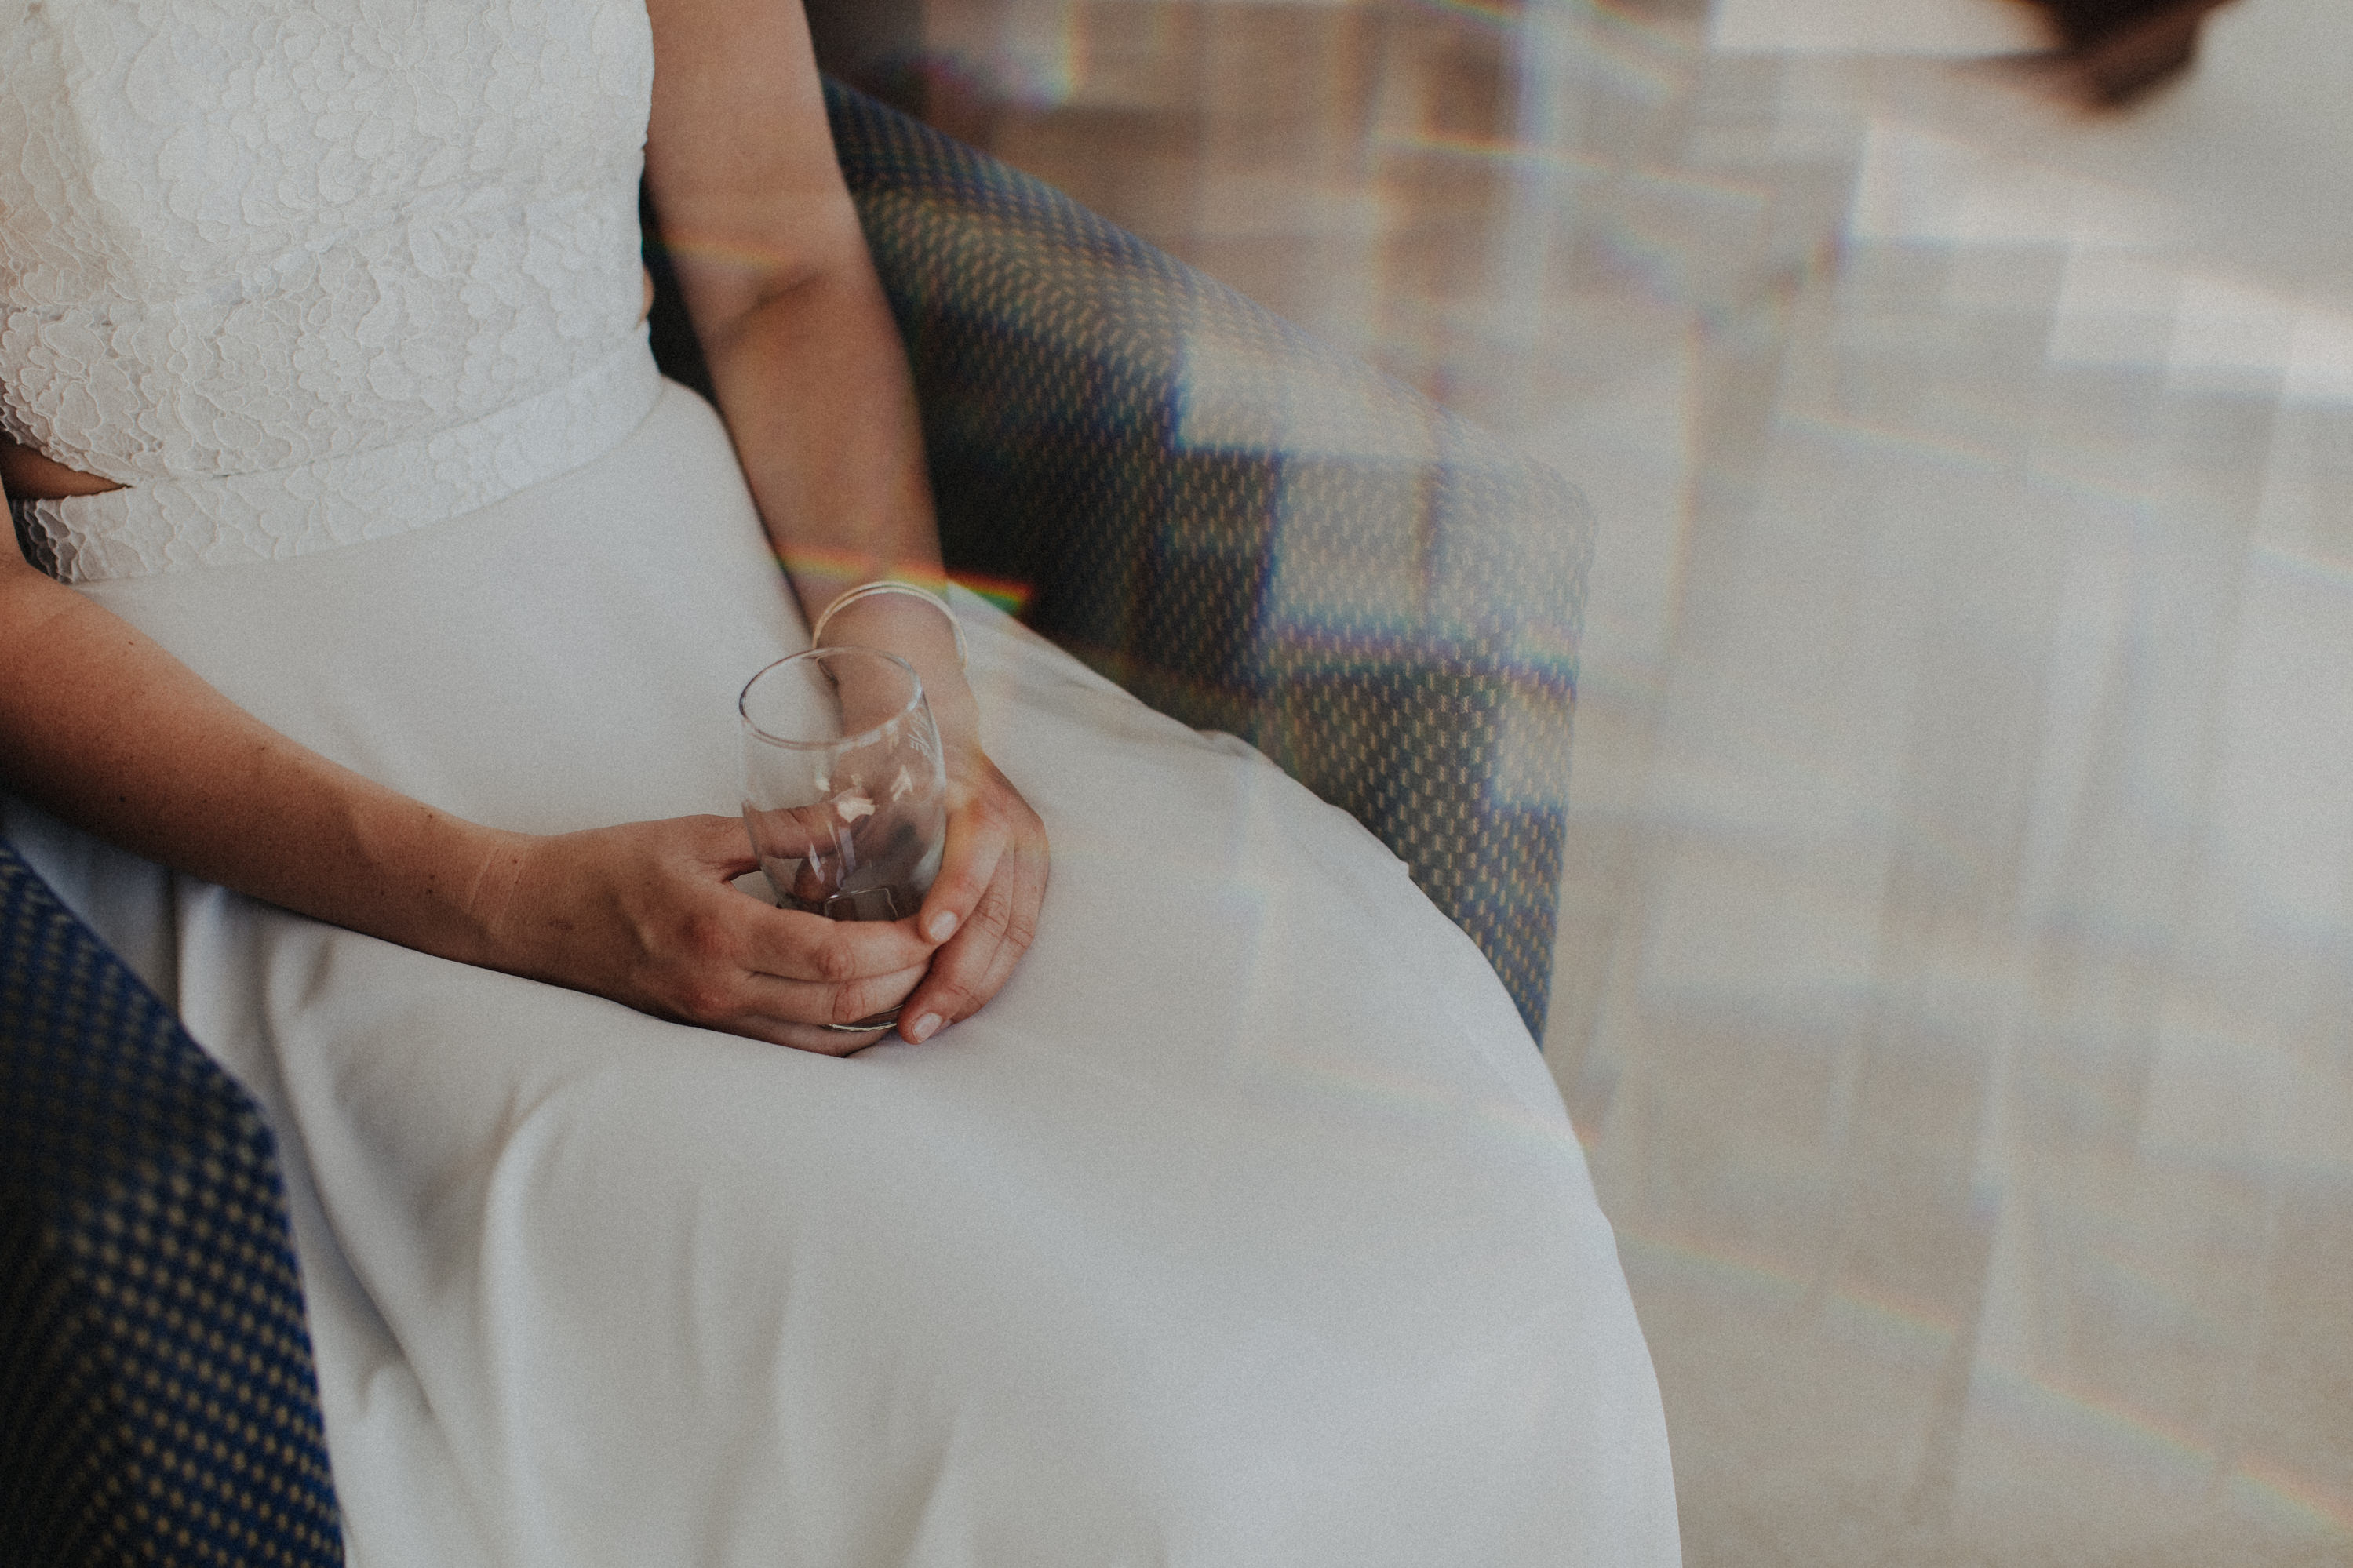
(105, 729)
(805, 358)
(814, 385)
(813, 381)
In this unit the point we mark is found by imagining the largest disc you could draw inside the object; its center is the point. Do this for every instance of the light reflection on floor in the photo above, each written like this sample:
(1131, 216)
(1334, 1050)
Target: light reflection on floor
(1954, 984)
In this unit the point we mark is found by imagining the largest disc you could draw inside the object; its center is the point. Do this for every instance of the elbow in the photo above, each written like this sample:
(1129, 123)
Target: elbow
(735, 278)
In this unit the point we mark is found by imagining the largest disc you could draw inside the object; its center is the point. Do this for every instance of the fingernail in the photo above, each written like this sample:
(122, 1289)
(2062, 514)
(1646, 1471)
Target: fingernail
(943, 925)
(926, 1027)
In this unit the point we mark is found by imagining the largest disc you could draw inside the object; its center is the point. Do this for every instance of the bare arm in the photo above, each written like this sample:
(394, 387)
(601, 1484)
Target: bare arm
(110, 731)
(805, 360)
(106, 728)
(812, 380)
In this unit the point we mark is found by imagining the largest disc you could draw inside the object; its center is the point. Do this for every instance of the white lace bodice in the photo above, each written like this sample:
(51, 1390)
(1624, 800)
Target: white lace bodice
(304, 272)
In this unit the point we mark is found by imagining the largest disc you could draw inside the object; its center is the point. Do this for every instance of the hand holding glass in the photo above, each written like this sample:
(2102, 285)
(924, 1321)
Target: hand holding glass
(845, 790)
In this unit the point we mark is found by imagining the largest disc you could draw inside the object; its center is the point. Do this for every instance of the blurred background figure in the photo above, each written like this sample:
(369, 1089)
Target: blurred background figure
(2102, 53)
(2115, 50)
(1955, 985)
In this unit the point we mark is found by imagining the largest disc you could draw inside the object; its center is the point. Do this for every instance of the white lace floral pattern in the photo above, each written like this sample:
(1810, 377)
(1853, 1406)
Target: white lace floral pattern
(300, 274)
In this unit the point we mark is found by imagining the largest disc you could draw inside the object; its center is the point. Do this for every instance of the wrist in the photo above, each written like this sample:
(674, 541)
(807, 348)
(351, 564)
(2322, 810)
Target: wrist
(487, 923)
(917, 631)
(441, 884)
(891, 588)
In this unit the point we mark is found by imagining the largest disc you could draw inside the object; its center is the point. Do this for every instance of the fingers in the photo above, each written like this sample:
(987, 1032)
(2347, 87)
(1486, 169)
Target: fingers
(776, 975)
(804, 1037)
(975, 964)
(791, 945)
(788, 1012)
(642, 912)
(793, 832)
(720, 844)
(979, 833)
(781, 975)
(796, 1016)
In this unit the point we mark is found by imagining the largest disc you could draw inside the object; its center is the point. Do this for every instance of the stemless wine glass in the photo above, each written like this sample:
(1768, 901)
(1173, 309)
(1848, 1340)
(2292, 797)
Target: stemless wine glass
(845, 791)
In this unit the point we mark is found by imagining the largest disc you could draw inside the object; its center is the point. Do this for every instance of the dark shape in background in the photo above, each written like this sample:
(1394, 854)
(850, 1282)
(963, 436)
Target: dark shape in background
(2116, 51)
(874, 45)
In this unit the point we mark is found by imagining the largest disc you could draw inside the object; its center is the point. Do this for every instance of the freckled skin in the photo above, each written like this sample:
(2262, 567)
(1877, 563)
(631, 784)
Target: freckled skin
(110, 732)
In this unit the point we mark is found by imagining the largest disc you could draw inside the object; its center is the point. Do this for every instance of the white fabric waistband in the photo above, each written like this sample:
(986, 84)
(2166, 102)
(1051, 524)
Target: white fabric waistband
(182, 525)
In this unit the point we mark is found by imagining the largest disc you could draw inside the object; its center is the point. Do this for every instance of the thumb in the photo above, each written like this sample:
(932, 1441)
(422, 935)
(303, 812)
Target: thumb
(721, 845)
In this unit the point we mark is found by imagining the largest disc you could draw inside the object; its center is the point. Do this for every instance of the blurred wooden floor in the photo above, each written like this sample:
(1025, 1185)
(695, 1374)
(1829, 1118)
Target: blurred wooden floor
(1958, 943)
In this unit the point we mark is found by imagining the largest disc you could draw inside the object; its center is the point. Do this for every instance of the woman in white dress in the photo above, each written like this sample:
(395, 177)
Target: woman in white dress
(369, 685)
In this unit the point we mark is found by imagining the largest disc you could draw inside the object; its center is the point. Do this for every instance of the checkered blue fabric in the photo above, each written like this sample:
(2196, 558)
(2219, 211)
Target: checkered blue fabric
(1250, 532)
(157, 1398)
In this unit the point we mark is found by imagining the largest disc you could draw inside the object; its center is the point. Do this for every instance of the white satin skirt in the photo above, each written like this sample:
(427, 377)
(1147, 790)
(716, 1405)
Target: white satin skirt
(1243, 1227)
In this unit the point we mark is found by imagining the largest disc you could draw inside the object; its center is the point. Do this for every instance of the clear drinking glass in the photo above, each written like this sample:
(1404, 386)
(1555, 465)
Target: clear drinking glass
(845, 791)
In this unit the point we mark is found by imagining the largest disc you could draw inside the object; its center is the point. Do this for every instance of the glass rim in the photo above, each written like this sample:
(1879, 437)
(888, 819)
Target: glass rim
(817, 654)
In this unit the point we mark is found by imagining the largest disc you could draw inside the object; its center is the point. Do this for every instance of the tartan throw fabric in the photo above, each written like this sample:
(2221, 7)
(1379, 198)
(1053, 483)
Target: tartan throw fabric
(157, 1398)
(1250, 530)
